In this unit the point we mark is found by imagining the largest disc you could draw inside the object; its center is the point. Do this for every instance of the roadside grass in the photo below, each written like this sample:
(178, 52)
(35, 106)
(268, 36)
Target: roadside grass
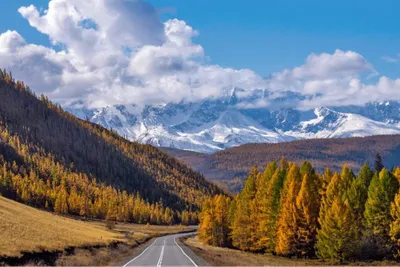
(142, 231)
(217, 256)
(26, 229)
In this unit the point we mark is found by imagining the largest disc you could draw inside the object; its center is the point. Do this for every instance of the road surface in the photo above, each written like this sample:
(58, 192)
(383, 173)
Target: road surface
(164, 251)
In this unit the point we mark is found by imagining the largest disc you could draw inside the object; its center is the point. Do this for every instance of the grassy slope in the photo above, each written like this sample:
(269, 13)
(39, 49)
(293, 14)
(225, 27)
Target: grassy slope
(23, 228)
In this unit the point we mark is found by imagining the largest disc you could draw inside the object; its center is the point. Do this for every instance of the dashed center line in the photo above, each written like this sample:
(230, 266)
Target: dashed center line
(161, 255)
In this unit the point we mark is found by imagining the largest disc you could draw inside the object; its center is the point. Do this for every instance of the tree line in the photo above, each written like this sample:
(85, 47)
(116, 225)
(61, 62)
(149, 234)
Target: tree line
(319, 151)
(37, 179)
(294, 211)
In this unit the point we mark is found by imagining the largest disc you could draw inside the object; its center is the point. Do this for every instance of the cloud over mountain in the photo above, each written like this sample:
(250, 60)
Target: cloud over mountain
(108, 52)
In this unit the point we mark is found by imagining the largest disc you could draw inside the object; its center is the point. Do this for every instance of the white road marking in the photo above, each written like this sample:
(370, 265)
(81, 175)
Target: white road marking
(161, 255)
(185, 253)
(141, 253)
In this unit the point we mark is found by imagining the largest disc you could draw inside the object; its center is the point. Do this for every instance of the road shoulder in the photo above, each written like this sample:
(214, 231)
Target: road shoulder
(196, 258)
(135, 251)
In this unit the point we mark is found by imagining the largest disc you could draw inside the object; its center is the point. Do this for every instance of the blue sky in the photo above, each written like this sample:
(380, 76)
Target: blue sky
(268, 36)
(148, 51)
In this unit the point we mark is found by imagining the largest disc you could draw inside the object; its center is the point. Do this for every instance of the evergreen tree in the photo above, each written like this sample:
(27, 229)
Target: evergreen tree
(332, 190)
(334, 229)
(260, 206)
(267, 201)
(232, 211)
(307, 209)
(326, 178)
(283, 164)
(381, 193)
(221, 216)
(214, 226)
(396, 174)
(358, 193)
(287, 225)
(395, 225)
(347, 179)
(206, 227)
(242, 233)
(269, 172)
(61, 204)
(338, 236)
(306, 168)
(378, 163)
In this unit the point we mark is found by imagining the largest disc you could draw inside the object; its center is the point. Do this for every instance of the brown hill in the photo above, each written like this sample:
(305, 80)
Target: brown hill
(230, 166)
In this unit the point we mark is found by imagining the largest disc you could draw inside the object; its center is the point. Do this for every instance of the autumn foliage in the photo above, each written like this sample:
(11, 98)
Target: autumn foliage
(52, 160)
(294, 211)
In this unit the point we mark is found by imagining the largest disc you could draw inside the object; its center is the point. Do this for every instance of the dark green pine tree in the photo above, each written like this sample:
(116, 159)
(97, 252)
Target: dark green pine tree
(381, 193)
(378, 163)
(242, 232)
(358, 193)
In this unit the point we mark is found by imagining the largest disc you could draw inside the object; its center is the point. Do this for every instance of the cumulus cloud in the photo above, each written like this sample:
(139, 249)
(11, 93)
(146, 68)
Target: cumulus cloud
(335, 80)
(107, 52)
(115, 52)
(321, 70)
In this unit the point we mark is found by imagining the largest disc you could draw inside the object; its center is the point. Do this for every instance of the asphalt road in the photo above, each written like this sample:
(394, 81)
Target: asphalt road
(164, 251)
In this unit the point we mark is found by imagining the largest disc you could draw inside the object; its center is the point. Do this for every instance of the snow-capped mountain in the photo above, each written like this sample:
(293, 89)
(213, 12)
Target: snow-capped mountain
(213, 125)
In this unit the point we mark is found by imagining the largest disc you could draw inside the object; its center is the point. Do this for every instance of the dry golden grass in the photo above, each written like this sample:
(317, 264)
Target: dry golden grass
(216, 256)
(23, 228)
(142, 229)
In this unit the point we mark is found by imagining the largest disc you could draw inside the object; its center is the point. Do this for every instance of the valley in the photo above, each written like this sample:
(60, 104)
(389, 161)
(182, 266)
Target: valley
(108, 196)
(230, 166)
(199, 133)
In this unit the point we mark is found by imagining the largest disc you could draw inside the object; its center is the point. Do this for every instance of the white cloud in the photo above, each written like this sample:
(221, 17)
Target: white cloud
(41, 67)
(354, 92)
(116, 52)
(335, 80)
(340, 64)
(119, 52)
(390, 59)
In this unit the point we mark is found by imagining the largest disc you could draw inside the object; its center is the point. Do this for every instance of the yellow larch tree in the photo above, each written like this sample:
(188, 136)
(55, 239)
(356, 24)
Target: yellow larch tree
(287, 224)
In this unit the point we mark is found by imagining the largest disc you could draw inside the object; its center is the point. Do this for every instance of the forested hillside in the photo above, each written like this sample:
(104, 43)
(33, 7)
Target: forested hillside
(229, 167)
(51, 159)
(294, 211)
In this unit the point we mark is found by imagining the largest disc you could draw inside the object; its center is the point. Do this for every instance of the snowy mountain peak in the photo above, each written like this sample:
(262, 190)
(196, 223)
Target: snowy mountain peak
(216, 124)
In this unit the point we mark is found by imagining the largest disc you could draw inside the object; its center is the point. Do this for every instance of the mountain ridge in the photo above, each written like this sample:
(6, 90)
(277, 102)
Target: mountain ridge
(230, 166)
(212, 125)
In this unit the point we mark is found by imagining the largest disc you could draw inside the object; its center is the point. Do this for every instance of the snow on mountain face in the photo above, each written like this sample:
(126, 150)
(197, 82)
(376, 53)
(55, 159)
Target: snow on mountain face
(330, 124)
(213, 125)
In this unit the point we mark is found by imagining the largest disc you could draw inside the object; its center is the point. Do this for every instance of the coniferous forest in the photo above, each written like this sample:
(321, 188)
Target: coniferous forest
(294, 211)
(52, 160)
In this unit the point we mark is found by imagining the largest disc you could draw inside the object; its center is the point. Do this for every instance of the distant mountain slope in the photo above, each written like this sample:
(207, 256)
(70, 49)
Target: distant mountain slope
(59, 149)
(216, 124)
(230, 166)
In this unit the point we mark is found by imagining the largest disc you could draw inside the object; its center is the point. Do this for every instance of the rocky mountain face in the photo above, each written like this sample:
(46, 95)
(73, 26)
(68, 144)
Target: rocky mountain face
(217, 124)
